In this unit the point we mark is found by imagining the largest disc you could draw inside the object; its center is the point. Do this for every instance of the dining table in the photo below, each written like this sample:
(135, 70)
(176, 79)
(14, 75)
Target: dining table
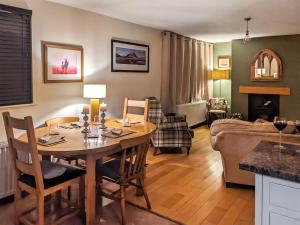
(91, 150)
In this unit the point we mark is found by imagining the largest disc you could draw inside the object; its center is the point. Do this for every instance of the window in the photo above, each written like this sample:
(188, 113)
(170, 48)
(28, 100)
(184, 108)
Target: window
(15, 56)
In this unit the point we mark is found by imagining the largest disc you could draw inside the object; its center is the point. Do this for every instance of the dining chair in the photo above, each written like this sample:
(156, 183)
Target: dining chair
(123, 171)
(38, 177)
(68, 159)
(142, 104)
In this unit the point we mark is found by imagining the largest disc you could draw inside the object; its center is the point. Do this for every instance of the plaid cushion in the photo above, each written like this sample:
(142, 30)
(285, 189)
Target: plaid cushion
(173, 126)
(172, 131)
(176, 118)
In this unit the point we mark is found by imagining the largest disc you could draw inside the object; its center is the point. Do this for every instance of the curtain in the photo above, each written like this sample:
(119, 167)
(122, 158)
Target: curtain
(186, 67)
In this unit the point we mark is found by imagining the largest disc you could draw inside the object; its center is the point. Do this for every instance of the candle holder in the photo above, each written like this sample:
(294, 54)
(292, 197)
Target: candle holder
(85, 124)
(102, 125)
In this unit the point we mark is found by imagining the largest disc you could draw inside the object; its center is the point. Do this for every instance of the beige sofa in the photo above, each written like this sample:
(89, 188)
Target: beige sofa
(234, 139)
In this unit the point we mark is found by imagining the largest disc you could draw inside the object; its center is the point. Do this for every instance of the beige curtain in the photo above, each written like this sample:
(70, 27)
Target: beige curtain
(186, 66)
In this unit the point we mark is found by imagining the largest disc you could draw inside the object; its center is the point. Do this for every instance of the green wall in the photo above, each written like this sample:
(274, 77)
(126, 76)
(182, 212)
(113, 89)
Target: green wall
(222, 49)
(288, 49)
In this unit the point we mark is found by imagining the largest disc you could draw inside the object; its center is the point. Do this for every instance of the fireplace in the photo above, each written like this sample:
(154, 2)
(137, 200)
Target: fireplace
(263, 106)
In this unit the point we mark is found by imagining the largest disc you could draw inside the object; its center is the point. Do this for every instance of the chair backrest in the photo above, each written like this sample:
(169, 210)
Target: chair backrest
(136, 156)
(217, 104)
(62, 120)
(29, 147)
(136, 104)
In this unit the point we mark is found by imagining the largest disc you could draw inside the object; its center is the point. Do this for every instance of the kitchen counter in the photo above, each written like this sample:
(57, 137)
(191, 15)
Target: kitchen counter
(277, 183)
(265, 160)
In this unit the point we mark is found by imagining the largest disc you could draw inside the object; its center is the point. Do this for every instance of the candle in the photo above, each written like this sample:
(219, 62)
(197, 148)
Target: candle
(86, 109)
(103, 107)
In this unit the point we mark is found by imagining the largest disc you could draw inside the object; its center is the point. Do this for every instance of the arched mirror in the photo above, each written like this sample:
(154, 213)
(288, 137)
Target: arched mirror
(266, 66)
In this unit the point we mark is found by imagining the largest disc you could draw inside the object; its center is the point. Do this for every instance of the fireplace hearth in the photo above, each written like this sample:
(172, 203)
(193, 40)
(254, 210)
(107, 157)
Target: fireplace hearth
(263, 106)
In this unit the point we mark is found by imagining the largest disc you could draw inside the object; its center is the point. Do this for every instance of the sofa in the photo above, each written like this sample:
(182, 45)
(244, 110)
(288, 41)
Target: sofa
(234, 139)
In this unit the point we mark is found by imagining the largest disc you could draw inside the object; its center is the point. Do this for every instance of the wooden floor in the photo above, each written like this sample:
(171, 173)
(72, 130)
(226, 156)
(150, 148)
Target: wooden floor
(190, 188)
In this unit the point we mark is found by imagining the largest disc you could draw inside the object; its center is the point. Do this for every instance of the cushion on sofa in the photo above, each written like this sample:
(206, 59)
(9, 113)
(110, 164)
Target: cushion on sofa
(257, 126)
(229, 124)
(268, 127)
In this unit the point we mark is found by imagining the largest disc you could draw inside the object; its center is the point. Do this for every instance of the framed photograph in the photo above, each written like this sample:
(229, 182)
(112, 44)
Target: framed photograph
(224, 62)
(62, 63)
(129, 57)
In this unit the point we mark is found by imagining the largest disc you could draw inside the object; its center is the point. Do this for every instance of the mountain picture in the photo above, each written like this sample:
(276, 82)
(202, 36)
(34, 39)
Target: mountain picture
(129, 57)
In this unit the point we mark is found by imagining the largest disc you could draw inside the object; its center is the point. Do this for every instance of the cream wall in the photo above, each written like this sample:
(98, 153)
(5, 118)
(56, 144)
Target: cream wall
(57, 23)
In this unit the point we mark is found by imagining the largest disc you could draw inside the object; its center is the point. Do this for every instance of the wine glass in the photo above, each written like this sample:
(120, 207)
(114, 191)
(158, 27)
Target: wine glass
(280, 123)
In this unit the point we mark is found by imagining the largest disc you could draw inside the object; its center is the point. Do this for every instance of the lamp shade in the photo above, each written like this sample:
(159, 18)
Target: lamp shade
(94, 91)
(220, 74)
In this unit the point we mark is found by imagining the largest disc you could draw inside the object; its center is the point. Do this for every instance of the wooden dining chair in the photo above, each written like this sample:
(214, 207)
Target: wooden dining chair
(68, 159)
(125, 171)
(39, 178)
(144, 104)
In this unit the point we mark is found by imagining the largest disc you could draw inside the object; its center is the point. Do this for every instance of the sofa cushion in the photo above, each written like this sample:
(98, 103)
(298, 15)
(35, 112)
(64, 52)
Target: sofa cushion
(258, 126)
(229, 124)
(268, 127)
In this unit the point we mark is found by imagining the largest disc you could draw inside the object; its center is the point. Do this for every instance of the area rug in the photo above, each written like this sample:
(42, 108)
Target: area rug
(110, 215)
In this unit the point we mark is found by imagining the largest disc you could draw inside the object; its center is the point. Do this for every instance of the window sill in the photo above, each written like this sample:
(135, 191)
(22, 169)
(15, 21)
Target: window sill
(17, 106)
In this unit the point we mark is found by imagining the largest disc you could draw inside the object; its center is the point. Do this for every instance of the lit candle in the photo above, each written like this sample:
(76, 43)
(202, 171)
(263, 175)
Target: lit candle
(103, 107)
(86, 109)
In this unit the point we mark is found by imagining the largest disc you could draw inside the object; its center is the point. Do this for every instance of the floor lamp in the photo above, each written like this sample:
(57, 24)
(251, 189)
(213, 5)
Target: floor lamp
(220, 75)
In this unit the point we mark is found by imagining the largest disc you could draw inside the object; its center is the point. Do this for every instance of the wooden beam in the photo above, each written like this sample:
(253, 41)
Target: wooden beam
(265, 90)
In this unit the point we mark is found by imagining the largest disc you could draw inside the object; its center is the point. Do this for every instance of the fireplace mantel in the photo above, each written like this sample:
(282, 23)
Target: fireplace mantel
(265, 90)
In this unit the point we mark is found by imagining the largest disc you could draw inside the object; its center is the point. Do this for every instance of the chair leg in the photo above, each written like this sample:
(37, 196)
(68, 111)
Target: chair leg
(188, 150)
(145, 193)
(69, 187)
(82, 196)
(155, 151)
(40, 210)
(17, 203)
(122, 203)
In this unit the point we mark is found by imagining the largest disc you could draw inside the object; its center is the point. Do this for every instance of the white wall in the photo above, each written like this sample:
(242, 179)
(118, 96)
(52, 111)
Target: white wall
(57, 23)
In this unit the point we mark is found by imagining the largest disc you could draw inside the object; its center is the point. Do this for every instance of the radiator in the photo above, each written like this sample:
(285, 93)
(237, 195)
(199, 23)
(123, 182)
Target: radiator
(7, 172)
(195, 112)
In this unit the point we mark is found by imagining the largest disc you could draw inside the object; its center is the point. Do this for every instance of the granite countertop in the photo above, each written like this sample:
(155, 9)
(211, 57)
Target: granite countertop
(265, 160)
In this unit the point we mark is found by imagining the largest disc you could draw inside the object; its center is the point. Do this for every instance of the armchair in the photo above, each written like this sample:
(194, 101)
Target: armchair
(172, 130)
(217, 107)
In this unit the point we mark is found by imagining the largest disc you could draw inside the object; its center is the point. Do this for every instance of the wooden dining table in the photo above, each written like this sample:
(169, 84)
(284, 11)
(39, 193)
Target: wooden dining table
(91, 149)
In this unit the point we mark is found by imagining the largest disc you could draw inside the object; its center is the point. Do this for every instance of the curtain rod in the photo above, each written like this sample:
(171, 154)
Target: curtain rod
(180, 35)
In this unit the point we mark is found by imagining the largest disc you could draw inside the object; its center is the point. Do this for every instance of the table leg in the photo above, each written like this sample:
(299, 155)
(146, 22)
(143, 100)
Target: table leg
(91, 189)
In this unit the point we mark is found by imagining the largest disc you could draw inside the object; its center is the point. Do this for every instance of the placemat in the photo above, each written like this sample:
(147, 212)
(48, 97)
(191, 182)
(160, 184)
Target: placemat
(109, 134)
(52, 141)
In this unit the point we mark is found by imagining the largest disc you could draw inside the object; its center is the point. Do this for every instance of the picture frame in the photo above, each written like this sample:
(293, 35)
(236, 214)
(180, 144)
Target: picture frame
(63, 63)
(129, 57)
(224, 62)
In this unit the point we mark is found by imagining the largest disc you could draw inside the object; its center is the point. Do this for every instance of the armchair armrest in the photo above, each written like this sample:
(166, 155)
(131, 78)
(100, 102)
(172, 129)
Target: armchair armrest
(173, 126)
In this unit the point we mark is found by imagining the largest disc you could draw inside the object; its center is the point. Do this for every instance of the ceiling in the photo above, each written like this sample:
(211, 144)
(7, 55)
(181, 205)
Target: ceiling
(208, 20)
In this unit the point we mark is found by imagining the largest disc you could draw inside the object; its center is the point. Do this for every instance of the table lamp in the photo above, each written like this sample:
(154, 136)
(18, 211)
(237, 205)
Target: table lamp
(94, 92)
(220, 75)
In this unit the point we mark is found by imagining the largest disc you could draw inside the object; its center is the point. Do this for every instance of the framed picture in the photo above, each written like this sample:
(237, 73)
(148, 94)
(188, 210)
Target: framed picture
(62, 63)
(224, 62)
(129, 57)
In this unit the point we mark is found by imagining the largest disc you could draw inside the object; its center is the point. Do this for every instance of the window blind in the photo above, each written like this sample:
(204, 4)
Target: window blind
(15, 56)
